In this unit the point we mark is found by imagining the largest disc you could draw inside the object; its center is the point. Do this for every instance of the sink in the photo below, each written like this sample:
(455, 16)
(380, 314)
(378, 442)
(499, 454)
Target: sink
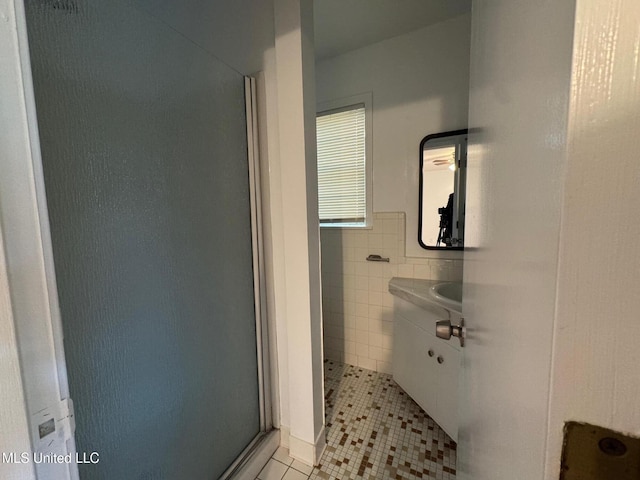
(427, 294)
(449, 294)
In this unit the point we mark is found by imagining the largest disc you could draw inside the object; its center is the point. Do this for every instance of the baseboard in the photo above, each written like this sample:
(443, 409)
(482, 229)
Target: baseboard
(259, 457)
(284, 436)
(321, 445)
(308, 453)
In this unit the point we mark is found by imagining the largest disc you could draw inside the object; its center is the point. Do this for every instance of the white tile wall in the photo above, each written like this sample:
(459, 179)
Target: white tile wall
(357, 306)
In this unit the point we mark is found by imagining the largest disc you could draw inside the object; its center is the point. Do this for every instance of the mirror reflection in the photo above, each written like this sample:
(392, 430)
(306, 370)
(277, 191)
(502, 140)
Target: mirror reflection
(443, 163)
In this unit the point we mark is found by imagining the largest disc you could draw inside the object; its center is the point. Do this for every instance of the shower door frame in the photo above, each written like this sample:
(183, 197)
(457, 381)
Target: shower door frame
(265, 384)
(31, 281)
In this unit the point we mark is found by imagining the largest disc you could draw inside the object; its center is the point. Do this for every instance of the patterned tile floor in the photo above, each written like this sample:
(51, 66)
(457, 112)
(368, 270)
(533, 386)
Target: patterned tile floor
(374, 431)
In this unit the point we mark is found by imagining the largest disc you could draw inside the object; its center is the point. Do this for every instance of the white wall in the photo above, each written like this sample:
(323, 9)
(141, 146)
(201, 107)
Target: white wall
(596, 354)
(28, 368)
(439, 184)
(14, 436)
(420, 86)
(296, 218)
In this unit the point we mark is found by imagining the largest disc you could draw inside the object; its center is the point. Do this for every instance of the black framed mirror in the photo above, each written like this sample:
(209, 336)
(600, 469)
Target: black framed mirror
(443, 176)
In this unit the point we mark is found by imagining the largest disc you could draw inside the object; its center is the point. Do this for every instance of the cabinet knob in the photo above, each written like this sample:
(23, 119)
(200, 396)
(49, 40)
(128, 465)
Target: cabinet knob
(430, 352)
(440, 359)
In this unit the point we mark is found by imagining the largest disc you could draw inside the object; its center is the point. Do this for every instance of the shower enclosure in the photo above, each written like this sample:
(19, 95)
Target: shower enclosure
(145, 147)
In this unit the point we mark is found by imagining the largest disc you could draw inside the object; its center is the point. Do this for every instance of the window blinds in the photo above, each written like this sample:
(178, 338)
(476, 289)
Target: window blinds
(341, 165)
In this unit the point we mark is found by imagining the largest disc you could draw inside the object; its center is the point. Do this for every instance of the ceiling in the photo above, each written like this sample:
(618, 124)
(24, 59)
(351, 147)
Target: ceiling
(236, 32)
(344, 25)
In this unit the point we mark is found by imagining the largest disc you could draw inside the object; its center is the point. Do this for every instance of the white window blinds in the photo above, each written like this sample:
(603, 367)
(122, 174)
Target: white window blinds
(342, 166)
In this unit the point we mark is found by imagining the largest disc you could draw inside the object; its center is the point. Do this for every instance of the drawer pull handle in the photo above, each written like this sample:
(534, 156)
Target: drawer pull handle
(440, 359)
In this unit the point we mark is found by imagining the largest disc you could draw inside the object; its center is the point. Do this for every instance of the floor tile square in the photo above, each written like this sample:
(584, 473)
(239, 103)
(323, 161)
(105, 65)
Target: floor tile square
(273, 470)
(376, 431)
(301, 467)
(282, 455)
(295, 475)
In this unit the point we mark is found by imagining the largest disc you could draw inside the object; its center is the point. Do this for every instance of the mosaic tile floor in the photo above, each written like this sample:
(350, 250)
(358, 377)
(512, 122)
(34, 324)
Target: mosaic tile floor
(374, 431)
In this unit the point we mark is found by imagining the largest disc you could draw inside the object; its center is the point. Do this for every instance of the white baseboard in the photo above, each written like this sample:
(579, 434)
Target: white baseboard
(259, 457)
(321, 445)
(284, 436)
(308, 453)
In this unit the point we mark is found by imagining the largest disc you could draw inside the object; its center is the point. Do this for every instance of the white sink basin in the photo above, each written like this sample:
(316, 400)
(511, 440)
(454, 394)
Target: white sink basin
(449, 294)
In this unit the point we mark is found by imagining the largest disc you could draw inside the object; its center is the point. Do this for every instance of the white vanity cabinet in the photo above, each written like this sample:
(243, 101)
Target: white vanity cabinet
(425, 366)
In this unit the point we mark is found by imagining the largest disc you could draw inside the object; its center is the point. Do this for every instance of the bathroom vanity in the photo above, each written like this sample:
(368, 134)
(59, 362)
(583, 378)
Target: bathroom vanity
(425, 366)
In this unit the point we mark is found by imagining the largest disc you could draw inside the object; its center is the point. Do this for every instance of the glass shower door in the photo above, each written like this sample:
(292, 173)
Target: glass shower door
(144, 144)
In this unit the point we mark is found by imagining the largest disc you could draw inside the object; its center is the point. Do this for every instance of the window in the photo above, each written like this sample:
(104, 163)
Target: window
(344, 186)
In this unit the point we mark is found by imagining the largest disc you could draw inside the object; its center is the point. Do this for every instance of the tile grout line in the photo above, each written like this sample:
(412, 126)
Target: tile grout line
(289, 467)
(374, 428)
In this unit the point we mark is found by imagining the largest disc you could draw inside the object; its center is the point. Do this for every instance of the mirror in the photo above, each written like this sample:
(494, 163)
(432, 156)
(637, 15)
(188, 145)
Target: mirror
(443, 175)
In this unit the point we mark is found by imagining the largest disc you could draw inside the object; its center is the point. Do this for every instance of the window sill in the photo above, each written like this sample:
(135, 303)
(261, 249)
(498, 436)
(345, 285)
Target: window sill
(353, 226)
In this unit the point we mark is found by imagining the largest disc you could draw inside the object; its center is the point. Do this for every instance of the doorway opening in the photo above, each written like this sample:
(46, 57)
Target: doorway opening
(412, 62)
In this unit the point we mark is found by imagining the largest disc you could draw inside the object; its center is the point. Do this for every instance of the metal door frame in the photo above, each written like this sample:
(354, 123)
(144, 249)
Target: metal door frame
(259, 286)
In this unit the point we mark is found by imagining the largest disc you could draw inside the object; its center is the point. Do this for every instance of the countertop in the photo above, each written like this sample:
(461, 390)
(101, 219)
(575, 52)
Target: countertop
(416, 291)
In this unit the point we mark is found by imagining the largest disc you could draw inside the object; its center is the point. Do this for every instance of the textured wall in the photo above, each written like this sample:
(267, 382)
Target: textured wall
(144, 149)
(237, 32)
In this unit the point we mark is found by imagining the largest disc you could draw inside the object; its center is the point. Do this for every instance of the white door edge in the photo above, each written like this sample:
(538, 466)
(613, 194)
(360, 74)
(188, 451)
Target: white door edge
(29, 256)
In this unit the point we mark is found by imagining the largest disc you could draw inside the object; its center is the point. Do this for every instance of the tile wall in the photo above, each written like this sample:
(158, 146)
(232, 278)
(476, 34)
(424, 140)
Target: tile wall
(357, 306)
